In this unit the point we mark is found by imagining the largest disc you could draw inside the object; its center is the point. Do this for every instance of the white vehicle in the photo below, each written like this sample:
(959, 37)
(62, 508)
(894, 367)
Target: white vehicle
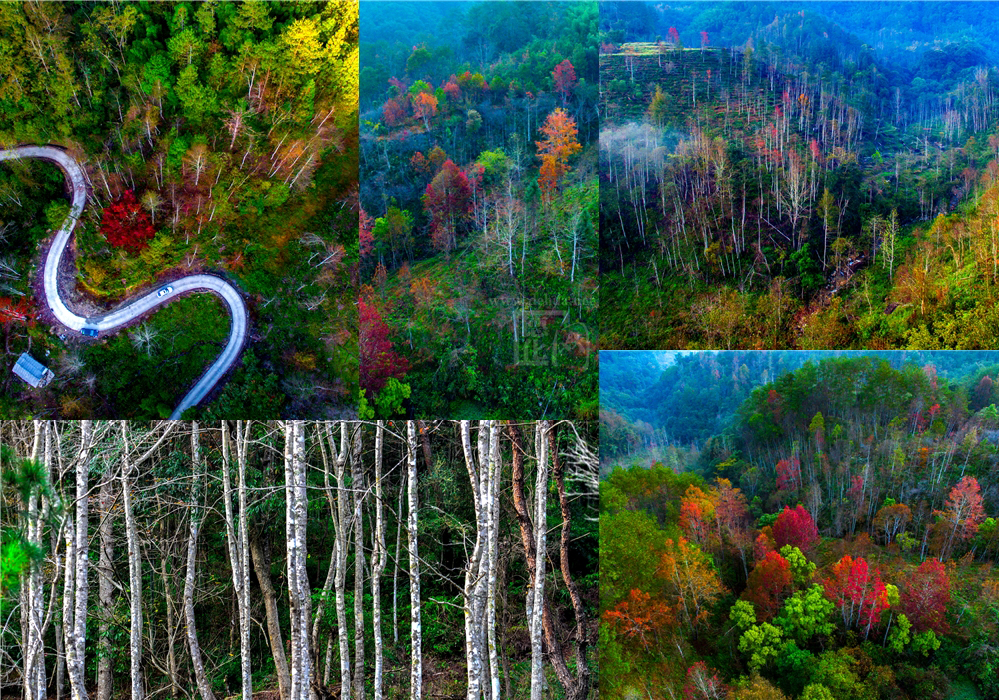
(163, 292)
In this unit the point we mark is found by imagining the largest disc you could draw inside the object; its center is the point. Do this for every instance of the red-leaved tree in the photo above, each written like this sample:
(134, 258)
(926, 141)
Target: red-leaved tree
(926, 596)
(857, 592)
(796, 528)
(125, 224)
(19, 310)
(447, 201)
(366, 237)
(768, 584)
(565, 79)
(789, 474)
(379, 360)
(963, 511)
(703, 683)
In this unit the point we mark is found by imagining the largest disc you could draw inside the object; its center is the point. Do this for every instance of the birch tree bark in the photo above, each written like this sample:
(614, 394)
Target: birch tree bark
(493, 518)
(412, 532)
(340, 525)
(321, 436)
(300, 599)
(105, 588)
(357, 488)
(134, 570)
(378, 559)
(204, 688)
(33, 594)
(540, 528)
(77, 561)
(473, 589)
(340, 580)
(237, 545)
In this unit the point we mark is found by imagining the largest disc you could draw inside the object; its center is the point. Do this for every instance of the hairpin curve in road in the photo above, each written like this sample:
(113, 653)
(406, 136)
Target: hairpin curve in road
(138, 306)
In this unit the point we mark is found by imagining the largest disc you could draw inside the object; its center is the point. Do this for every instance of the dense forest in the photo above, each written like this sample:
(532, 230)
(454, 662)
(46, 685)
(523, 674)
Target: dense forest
(216, 137)
(792, 175)
(298, 560)
(479, 209)
(833, 535)
(650, 401)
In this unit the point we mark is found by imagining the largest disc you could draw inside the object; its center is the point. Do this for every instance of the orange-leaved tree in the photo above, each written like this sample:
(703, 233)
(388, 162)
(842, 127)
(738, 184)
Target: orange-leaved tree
(560, 143)
(424, 107)
(691, 582)
(641, 618)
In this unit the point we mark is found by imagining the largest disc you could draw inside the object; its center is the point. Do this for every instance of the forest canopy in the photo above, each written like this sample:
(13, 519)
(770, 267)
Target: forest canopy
(831, 532)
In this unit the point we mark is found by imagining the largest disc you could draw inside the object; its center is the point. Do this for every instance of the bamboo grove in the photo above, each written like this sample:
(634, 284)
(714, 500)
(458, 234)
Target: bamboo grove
(301, 560)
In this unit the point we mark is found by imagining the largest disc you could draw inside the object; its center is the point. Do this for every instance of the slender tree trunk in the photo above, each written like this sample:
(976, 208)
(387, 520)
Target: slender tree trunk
(412, 532)
(33, 594)
(357, 486)
(134, 571)
(262, 567)
(204, 688)
(299, 595)
(472, 611)
(493, 516)
(340, 580)
(77, 562)
(321, 437)
(395, 565)
(378, 559)
(105, 590)
(237, 548)
(578, 687)
(171, 614)
(538, 579)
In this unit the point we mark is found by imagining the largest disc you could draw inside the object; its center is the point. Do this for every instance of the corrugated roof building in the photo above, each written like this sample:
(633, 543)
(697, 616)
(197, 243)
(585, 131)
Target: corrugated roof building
(32, 371)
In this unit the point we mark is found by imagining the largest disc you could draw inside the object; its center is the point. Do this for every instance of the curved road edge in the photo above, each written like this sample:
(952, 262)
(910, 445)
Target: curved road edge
(138, 306)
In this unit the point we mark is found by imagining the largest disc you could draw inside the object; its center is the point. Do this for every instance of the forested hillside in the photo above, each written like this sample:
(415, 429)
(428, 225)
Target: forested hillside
(836, 539)
(216, 137)
(778, 183)
(298, 560)
(479, 221)
(650, 400)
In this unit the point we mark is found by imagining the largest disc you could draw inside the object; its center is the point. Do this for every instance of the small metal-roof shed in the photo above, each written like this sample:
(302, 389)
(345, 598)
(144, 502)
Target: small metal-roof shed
(32, 371)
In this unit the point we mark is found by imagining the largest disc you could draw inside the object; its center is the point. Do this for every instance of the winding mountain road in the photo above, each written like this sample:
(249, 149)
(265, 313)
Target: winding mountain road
(135, 308)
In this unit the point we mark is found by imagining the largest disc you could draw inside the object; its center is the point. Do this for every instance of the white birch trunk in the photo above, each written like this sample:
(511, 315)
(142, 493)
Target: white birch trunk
(340, 580)
(134, 571)
(378, 559)
(236, 546)
(291, 547)
(495, 472)
(357, 487)
(540, 527)
(473, 618)
(412, 532)
(300, 598)
(77, 562)
(33, 596)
